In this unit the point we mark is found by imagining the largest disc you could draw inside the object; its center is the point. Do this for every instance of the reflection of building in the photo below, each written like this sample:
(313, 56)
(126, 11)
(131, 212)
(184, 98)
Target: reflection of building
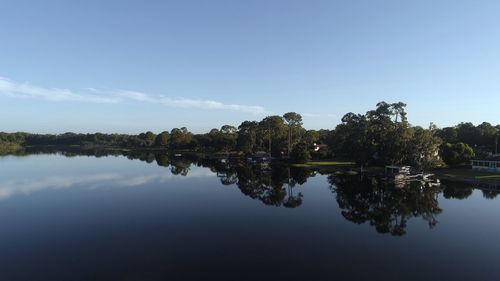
(397, 170)
(489, 164)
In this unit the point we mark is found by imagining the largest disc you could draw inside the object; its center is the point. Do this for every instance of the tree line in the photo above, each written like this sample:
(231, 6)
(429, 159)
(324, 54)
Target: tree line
(380, 136)
(384, 136)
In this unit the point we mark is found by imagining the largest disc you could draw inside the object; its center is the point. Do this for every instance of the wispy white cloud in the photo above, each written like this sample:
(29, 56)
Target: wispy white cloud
(188, 103)
(25, 90)
(311, 115)
(12, 188)
(27, 187)
(315, 115)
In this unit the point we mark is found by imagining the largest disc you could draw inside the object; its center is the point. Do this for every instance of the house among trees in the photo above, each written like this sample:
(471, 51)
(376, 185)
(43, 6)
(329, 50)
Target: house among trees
(259, 157)
(489, 164)
(317, 147)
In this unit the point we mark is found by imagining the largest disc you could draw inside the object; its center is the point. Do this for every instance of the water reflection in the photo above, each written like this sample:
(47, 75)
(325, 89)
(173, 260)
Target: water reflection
(276, 187)
(457, 191)
(462, 191)
(361, 200)
(31, 184)
(385, 207)
(12, 188)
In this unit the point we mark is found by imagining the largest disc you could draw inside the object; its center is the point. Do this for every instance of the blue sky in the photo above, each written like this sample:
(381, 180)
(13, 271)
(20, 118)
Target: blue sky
(132, 66)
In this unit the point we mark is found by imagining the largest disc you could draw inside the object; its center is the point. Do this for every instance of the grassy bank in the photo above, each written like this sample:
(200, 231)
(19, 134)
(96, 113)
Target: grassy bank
(466, 174)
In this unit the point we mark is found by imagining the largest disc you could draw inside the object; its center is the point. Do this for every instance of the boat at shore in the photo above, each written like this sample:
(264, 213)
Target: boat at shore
(401, 175)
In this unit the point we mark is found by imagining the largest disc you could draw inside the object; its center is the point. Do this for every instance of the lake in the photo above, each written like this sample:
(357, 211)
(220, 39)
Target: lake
(65, 216)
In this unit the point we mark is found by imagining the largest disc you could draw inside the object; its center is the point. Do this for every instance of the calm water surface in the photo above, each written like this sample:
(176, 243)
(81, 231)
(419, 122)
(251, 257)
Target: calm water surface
(154, 218)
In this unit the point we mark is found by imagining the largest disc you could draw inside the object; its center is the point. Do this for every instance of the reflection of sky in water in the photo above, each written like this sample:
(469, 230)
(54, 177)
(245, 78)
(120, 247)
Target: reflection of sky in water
(83, 217)
(24, 176)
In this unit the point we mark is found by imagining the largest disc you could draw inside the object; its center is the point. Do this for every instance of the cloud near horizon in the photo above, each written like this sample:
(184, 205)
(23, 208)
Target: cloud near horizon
(12, 188)
(25, 90)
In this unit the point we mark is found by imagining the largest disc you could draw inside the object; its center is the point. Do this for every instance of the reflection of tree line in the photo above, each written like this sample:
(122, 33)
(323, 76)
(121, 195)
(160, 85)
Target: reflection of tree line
(386, 208)
(280, 177)
(275, 187)
(459, 190)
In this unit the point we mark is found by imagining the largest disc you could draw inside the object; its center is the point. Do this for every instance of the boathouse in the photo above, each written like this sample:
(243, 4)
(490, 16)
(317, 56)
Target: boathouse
(489, 164)
(397, 170)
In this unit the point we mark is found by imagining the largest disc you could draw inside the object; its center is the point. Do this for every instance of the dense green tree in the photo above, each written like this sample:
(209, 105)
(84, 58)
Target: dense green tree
(311, 137)
(162, 139)
(147, 139)
(294, 123)
(350, 139)
(383, 136)
(388, 138)
(228, 137)
(180, 138)
(481, 138)
(497, 140)
(457, 153)
(228, 130)
(274, 131)
(398, 109)
(214, 140)
(448, 134)
(423, 148)
(247, 136)
(300, 153)
(467, 133)
(487, 134)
